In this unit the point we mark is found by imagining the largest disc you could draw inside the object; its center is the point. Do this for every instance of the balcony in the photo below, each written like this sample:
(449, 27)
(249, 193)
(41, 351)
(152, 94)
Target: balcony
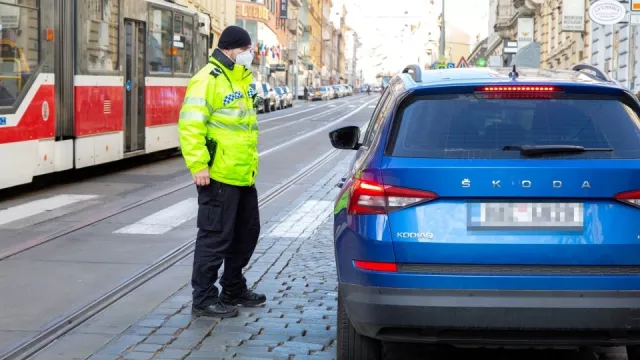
(295, 2)
(292, 25)
(508, 12)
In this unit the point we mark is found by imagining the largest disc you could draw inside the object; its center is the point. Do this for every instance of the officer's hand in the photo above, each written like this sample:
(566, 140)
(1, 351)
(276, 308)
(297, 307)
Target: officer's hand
(202, 178)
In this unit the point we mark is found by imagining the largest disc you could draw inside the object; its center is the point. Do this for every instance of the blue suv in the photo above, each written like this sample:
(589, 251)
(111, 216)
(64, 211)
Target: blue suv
(488, 207)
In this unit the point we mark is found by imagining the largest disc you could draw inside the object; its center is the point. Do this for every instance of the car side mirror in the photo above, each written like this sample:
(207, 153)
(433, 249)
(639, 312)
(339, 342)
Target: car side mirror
(345, 138)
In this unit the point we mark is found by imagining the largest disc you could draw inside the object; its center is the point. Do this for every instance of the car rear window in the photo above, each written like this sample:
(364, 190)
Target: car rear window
(465, 127)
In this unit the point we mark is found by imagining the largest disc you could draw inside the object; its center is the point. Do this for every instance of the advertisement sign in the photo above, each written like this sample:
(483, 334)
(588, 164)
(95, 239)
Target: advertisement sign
(253, 12)
(510, 47)
(284, 7)
(607, 12)
(525, 32)
(573, 15)
(9, 17)
(635, 5)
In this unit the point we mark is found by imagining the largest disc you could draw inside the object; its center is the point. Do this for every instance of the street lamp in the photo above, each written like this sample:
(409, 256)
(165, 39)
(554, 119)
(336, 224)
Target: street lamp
(442, 37)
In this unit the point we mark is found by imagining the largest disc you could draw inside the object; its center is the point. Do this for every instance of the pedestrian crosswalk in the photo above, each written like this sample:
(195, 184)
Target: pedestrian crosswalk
(164, 220)
(40, 206)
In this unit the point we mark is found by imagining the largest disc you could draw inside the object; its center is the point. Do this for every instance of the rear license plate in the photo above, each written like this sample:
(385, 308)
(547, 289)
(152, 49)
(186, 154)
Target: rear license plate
(525, 216)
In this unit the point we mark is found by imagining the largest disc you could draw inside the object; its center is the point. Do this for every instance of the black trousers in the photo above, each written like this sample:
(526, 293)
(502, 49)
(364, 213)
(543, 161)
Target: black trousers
(228, 230)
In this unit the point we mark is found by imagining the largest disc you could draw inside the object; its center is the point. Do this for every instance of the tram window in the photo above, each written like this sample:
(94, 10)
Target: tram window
(101, 39)
(19, 48)
(160, 41)
(183, 42)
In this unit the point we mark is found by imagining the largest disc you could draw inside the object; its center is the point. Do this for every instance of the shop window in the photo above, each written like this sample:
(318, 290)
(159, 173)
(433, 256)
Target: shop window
(101, 35)
(19, 47)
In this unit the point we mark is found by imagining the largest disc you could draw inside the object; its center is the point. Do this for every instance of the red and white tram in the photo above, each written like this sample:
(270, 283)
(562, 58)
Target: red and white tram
(86, 82)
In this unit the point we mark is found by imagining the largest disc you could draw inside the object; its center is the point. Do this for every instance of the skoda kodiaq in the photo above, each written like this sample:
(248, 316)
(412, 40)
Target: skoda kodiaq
(491, 206)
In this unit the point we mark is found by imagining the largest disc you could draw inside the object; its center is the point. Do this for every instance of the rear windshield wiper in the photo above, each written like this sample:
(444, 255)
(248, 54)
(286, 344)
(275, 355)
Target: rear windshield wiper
(534, 150)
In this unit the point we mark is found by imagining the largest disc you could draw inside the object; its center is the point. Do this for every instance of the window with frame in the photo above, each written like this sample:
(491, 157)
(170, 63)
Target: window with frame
(183, 44)
(376, 119)
(170, 43)
(19, 47)
(160, 57)
(102, 36)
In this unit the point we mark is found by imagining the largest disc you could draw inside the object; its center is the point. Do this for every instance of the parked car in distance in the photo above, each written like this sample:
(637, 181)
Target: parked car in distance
(339, 90)
(327, 92)
(283, 98)
(272, 96)
(315, 93)
(289, 94)
(257, 87)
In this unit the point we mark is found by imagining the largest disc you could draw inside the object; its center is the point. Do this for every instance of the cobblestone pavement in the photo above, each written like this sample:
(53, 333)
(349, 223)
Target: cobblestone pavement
(293, 265)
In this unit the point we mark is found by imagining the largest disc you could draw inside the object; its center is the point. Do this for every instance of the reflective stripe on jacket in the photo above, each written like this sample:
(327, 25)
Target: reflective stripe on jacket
(220, 108)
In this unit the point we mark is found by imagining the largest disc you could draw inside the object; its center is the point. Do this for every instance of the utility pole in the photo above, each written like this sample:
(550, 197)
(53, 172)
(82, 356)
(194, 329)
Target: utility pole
(442, 37)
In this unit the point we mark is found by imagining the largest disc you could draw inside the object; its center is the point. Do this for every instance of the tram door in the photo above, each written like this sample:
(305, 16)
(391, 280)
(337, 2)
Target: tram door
(135, 60)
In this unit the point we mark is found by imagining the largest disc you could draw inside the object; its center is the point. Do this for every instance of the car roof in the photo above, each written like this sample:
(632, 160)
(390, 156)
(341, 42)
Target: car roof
(414, 77)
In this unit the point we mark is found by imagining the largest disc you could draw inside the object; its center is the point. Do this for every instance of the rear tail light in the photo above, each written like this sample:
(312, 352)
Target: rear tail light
(368, 197)
(629, 197)
(517, 92)
(376, 266)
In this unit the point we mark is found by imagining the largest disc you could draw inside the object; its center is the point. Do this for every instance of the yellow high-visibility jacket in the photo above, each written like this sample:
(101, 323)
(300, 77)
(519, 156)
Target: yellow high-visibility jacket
(218, 105)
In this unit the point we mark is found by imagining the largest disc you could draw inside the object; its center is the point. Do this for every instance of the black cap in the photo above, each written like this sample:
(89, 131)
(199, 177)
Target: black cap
(234, 37)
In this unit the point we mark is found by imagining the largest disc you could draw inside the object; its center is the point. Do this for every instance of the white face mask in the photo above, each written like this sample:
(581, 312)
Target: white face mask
(245, 59)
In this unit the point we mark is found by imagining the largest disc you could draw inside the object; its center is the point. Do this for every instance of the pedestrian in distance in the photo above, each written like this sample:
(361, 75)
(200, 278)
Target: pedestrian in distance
(218, 130)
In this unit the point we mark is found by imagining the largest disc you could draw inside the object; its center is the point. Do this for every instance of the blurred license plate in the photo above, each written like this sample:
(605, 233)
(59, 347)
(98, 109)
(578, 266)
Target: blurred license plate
(533, 216)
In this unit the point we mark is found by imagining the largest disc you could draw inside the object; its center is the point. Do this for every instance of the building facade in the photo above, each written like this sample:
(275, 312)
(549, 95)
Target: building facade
(614, 49)
(261, 18)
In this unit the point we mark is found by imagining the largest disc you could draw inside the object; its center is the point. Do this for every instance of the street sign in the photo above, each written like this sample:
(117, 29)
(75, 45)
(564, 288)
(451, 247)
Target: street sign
(607, 12)
(462, 63)
(635, 5)
(451, 65)
(441, 65)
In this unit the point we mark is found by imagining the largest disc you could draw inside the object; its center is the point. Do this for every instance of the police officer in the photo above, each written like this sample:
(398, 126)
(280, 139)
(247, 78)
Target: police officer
(219, 137)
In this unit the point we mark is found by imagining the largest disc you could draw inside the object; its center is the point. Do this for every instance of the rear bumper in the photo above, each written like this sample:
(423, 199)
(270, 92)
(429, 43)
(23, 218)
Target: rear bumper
(494, 317)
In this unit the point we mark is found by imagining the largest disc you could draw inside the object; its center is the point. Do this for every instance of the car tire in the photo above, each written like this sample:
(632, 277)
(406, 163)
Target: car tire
(633, 352)
(351, 345)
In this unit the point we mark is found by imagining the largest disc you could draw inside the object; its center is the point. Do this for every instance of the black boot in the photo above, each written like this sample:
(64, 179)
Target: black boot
(217, 309)
(244, 298)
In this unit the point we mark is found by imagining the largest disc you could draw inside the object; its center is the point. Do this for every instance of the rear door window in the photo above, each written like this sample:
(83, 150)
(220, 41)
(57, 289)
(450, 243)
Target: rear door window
(464, 127)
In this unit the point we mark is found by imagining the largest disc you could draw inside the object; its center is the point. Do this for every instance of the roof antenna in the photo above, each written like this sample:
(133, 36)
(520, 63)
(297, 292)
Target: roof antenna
(514, 73)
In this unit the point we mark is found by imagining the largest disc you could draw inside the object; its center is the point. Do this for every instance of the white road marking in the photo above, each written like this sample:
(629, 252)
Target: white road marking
(164, 220)
(331, 105)
(40, 206)
(311, 133)
(311, 117)
(298, 220)
(311, 107)
(371, 107)
(352, 106)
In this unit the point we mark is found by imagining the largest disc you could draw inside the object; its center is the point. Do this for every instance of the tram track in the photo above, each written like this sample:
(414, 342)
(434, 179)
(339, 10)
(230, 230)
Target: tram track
(84, 313)
(114, 211)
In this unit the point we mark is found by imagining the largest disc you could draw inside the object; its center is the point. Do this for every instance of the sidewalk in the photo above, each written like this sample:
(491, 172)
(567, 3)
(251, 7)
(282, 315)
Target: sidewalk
(293, 265)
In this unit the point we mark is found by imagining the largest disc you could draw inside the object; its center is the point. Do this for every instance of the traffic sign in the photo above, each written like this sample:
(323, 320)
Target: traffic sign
(635, 5)
(481, 62)
(462, 63)
(451, 65)
(441, 65)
